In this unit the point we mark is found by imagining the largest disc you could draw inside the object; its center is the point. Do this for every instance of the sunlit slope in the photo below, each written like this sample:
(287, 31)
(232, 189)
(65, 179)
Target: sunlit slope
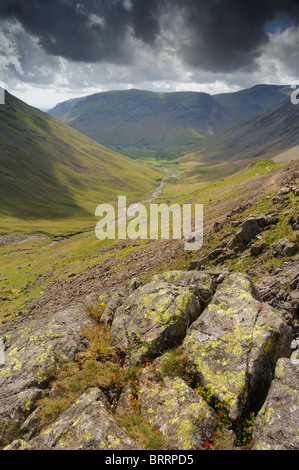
(49, 170)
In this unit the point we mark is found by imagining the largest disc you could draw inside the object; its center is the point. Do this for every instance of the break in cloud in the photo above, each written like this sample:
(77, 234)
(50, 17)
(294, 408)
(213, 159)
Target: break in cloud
(74, 47)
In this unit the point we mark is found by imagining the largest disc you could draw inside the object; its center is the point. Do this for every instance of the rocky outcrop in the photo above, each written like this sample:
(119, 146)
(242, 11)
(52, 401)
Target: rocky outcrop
(281, 290)
(285, 248)
(176, 410)
(277, 423)
(231, 339)
(249, 229)
(156, 316)
(32, 356)
(247, 237)
(234, 345)
(115, 298)
(87, 424)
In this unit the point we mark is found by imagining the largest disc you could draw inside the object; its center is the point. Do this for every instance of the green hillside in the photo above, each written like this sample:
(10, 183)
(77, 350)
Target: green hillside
(153, 123)
(255, 100)
(49, 170)
(264, 135)
(145, 124)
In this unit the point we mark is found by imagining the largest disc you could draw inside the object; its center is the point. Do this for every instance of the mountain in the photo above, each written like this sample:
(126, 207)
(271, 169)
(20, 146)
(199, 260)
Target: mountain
(252, 101)
(264, 135)
(142, 123)
(48, 169)
(160, 122)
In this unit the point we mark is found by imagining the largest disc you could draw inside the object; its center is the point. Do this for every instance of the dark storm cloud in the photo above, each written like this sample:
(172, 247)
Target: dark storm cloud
(215, 35)
(229, 34)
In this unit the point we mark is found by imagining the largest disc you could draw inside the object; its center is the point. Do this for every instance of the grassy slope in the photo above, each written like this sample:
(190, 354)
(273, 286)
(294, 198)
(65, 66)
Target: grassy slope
(264, 135)
(40, 266)
(252, 101)
(30, 267)
(51, 171)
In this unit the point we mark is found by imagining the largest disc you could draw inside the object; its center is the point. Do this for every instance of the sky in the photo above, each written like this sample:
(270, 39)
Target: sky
(54, 50)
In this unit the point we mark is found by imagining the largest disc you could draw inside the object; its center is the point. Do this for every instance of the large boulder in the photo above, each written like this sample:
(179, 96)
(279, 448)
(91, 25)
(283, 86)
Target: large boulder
(277, 423)
(202, 283)
(87, 424)
(178, 412)
(284, 248)
(157, 315)
(247, 232)
(235, 344)
(115, 297)
(33, 354)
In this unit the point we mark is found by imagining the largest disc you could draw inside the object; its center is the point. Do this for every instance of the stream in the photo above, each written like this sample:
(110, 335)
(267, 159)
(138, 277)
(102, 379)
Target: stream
(130, 212)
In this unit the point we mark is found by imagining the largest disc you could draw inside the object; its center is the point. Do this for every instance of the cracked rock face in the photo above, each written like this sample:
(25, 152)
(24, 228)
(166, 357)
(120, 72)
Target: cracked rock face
(87, 424)
(277, 423)
(32, 356)
(179, 413)
(235, 344)
(156, 315)
(281, 290)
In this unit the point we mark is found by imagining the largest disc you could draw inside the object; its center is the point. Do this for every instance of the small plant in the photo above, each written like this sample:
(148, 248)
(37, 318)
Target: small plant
(98, 365)
(245, 430)
(174, 363)
(134, 396)
(223, 418)
(207, 445)
(96, 312)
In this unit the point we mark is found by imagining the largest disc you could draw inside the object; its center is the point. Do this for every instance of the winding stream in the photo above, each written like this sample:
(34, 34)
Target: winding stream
(130, 212)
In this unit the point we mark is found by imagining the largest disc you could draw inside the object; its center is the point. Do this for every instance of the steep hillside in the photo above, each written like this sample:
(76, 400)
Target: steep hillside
(264, 135)
(96, 335)
(48, 169)
(255, 100)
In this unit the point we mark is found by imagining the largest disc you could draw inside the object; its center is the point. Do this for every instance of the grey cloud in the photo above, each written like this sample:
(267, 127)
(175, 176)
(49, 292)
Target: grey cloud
(219, 35)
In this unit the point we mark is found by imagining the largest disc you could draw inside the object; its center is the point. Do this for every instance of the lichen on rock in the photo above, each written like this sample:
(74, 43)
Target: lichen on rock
(33, 354)
(235, 344)
(87, 424)
(277, 423)
(155, 317)
(176, 410)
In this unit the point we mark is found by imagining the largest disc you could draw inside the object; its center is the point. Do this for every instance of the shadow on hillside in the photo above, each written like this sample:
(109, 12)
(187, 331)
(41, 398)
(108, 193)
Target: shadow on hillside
(31, 152)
